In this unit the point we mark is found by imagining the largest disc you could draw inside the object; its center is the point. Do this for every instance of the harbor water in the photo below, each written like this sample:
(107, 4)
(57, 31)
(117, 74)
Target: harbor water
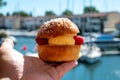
(108, 68)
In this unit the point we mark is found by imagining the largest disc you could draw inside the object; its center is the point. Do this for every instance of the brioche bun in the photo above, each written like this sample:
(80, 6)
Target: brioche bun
(58, 53)
(57, 27)
(52, 53)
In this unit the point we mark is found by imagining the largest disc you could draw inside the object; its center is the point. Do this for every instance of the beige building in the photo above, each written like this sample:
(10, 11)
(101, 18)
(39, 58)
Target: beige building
(12, 22)
(95, 22)
(28, 23)
(41, 19)
(112, 19)
(1, 22)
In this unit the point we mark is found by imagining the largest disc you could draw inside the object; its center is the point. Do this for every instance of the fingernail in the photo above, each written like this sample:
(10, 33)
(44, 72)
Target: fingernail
(76, 62)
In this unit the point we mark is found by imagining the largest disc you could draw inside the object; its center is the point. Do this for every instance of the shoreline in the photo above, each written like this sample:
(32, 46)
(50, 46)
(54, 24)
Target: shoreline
(20, 33)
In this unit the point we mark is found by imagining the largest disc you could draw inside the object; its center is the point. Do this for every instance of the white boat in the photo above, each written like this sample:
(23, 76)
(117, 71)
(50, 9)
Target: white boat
(108, 44)
(32, 54)
(90, 54)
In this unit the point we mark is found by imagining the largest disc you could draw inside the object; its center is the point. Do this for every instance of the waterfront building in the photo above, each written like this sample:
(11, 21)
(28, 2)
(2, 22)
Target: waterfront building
(117, 32)
(12, 22)
(112, 19)
(118, 26)
(96, 22)
(75, 18)
(41, 19)
(92, 22)
(28, 23)
(1, 22)
(88, 22)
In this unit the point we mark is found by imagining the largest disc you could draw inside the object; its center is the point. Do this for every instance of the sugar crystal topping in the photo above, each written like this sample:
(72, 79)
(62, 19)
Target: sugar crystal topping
(58, 26)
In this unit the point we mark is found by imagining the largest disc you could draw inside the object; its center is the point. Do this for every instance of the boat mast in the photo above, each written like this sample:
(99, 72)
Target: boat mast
(83, 23)
(89, 24)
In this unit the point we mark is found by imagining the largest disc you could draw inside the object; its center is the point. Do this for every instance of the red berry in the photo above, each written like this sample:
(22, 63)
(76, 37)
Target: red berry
(79, 40)
(41, 41)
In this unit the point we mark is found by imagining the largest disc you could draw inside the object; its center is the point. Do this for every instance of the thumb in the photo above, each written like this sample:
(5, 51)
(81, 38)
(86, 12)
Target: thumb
(7, 43)
(65, 67)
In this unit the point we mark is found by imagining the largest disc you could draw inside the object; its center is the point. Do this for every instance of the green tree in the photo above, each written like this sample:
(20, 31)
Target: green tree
(8, 14)
(2, 3)
(20, 13)
(50, 13)
(67, 12)
(1, 14)
(30, 14)
(89, 9)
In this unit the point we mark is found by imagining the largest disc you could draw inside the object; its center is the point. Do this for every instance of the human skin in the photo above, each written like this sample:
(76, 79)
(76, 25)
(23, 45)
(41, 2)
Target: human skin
(15, 66)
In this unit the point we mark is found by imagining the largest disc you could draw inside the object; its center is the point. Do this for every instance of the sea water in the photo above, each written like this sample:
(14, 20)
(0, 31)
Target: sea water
(25, 41)
(108, 68)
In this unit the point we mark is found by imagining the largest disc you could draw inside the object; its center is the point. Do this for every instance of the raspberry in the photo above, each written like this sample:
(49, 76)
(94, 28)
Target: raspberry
(78, 40)
(41, 41)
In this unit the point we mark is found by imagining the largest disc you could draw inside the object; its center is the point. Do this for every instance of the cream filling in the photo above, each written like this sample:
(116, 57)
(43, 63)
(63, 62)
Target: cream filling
(62, 40)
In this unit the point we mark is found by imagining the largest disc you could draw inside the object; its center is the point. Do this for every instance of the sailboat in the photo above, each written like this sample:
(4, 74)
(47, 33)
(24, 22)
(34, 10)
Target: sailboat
(90, 53)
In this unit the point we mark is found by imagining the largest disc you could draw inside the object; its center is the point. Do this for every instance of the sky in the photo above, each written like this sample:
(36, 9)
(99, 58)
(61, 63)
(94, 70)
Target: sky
(39, 7)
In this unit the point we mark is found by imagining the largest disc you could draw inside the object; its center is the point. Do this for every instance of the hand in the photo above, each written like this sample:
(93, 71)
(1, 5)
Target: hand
(15, 66)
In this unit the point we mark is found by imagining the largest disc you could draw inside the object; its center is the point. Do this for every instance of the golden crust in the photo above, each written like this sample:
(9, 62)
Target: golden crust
(52, 53)
(57, 27)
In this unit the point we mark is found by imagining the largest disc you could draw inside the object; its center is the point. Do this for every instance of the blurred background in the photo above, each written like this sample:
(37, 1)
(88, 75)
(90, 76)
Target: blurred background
(97, 20)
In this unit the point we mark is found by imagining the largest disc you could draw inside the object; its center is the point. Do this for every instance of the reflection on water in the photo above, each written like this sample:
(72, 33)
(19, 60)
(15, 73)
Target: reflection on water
(28, 41)
(82, 72)
(106, 69)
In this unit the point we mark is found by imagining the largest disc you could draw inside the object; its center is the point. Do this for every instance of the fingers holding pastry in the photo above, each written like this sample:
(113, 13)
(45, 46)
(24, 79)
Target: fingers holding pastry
(7, 43)
(65, 67)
